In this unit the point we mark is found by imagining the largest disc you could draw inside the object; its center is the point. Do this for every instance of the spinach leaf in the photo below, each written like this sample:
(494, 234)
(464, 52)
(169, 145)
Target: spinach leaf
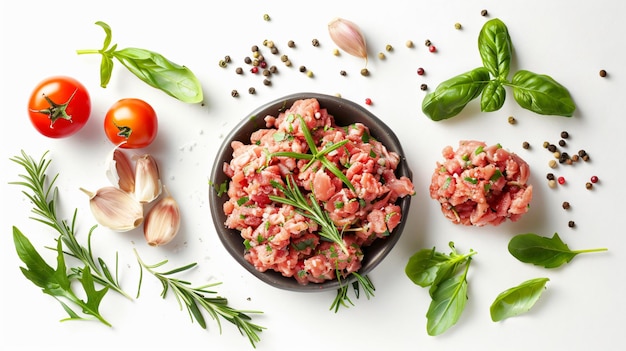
(152, 68)
(543, 251)
(451, 96)
(542, 94)
(423, 266)
(493, 97)
(448, 303)
(517, 300)
(494, 45)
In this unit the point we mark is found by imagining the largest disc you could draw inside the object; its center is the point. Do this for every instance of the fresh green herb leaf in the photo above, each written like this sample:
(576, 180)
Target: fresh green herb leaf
(342, 298)
(446, 184)
(242, 200)
(543, 251)
(496, 175)
(471, 180)
(517, 300)
(424, 265)
(196, 299)
(221, 188)
(152, 68)
(494, 46)
(542, 94)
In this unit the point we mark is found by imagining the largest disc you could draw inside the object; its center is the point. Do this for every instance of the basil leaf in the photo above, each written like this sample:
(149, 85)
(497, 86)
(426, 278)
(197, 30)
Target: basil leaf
(494, 45)
(493, 97)
(452, 95)
(424, 265)
(158, 72)
(543, 251)
(542, 94)
(517, 300)
(448, 303)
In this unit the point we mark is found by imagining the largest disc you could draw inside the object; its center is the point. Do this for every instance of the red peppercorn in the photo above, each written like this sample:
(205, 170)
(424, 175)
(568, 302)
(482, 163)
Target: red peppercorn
(368, 101)
(594, 179)
(254, 69)
(432, 48)
(561, 180)
(420, 71)
(263, 64)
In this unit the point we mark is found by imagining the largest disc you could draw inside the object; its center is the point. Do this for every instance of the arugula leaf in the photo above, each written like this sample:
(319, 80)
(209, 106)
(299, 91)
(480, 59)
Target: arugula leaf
(56, 282)
(543, 251)
(517, 300)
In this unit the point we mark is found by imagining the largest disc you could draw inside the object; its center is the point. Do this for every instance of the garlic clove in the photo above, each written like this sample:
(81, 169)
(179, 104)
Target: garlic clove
(115, 209)
(162, 222)
(348, 36)
(120, 171)
(147, 179)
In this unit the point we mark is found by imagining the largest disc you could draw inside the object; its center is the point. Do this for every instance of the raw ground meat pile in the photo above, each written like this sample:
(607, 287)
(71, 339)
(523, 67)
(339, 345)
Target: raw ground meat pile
(479, 184)
(279, 238)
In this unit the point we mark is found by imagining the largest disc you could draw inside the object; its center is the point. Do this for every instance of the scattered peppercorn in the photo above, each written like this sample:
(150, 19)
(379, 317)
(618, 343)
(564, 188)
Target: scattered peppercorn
(432, 48)
(525, 145)
(234, 93)
(574, 158)
(602, 73)
(571, 224)
(315, 42)
(594, 179)
(309, 74)
(420, 71)
(423, 86)
(582, 153)
(291, 44)
(266, 17)
(222, 63)
(368, 101)
(254, 48)
(284, 58)
(388, 47)
(409, 43)
(274, 50)
(288, 63)
(365, 72)
(564, 157)
(561, 180)
(427, 42)
(550, 176)
(551, 183)
(254, 69)
(566, 205)
(273, 69)
(556, 154)
(266, 73)
(267, 82)
(551, 147)
(302, 69)
(336, 52)
(552, 164)
(227, 59)
(588, 185)
(343, 73)
(484, 13)
(247, 60)
(562, 142)
(564, 134)
(511, 120)
(545, 144)
(381, 55)
(457, 25)
(239, 70)
(251, 90)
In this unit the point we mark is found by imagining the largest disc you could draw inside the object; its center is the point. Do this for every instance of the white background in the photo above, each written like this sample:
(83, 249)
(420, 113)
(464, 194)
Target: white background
(571, 41)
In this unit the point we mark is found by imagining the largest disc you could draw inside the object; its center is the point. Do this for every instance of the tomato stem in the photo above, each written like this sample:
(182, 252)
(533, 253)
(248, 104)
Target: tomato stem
(56, 111)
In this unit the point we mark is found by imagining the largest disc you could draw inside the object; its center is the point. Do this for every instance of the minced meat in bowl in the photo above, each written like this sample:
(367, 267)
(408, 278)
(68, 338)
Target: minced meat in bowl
(363, 188)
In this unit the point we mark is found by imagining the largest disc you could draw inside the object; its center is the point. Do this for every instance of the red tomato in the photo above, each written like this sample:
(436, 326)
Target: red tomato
(59, 106)
(132, 122)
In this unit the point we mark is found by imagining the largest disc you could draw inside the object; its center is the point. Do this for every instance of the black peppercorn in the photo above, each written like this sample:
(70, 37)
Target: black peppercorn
(291, 44)
(343, 73)
(525, 145)
(251, 90)
(564, 135)
(315, 42)
(247, 60)
(566, 205)
(484, 13)
(423, 86)
(234, 93)
(254, 48)
(571, 224)
(562, 142)
(552, 148)
(602, 73)
(550, 176)
(302, 69)
(239, 70)
(267, 82)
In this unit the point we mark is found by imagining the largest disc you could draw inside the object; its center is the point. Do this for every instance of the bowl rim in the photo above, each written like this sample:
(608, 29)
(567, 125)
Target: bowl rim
(374, 253)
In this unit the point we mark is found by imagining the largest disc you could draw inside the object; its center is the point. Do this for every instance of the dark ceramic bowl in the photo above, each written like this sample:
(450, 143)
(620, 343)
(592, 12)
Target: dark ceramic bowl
(345, 113)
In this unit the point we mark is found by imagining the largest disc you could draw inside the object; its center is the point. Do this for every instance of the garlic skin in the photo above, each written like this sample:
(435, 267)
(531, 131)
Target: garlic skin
(147, 179)
(162, 222)
(120, 171)
(348, 36)
(115, 209)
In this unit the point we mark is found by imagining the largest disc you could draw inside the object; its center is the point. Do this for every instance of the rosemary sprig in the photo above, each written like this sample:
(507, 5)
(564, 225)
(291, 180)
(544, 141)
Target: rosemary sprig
(342, 298)
(316, 155)
(44, 195)
(195, 299)
(309, 208)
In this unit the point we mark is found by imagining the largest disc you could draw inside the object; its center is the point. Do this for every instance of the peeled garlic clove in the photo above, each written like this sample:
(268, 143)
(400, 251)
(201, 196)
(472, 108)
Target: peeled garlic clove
(348, 36)
(115, 209)
(162, 222)
(147, 179)
(120, 171)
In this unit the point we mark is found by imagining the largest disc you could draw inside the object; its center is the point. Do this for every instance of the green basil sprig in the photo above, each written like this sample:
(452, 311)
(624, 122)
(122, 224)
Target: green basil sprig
(517, 300)
(543, 251)
(447, 282)
(152, 68)
(535, 92)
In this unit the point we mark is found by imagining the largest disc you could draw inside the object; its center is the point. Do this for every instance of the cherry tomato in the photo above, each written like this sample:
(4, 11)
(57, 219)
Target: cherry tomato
(59, 106)
(131, 123)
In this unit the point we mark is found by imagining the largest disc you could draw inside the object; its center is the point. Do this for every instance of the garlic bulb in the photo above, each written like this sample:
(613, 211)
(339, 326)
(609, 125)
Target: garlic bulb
(120, 171)
(115, 209)
(147, 179)
(162, 222)
(348, 36)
